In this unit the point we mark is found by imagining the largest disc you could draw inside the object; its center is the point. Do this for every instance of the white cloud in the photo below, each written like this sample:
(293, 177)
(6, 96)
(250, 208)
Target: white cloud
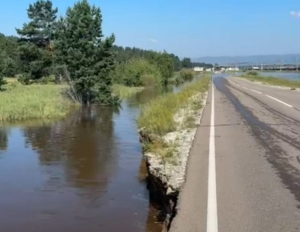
(295, 14)
(153, 40)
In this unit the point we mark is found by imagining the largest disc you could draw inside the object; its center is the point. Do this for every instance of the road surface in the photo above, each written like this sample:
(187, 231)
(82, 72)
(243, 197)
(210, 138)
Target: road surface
(244, 169)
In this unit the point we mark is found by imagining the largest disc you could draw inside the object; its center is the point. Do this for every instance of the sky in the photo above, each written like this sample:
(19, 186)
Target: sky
(188, 28)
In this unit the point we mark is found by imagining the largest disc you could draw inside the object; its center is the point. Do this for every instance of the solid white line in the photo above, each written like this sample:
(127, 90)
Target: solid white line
(280, 101)
(256, 91)
(212, 213)
(244, 87)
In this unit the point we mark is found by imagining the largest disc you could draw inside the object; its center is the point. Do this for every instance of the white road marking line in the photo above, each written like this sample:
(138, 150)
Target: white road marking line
(256, 91)
(212, 212)
(284, 103)
(279, 101)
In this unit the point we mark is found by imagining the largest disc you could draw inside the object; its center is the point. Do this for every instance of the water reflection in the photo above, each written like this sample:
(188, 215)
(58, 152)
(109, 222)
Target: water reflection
(286, 75)
(84, 142)
(3, 139)
(84, 173)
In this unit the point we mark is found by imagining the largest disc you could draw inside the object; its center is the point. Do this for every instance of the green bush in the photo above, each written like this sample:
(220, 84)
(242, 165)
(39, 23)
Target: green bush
(183, 76)
(149, 80)
(137, 72)
(24, 79)
(187, 75)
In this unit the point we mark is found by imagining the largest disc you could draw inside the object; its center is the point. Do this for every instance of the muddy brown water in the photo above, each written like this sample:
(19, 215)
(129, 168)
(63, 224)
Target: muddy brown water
(83, 173)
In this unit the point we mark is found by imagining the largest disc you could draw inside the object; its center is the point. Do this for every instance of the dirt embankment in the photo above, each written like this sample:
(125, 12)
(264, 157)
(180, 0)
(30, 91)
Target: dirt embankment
(167, 168)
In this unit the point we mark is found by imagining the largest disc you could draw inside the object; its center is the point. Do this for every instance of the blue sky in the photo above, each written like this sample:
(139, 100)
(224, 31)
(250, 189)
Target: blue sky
(192, 28)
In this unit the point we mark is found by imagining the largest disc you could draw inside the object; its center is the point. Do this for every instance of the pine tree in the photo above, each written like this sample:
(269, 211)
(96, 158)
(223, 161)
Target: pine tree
(88, 58)
(36, 50)
(9, 58)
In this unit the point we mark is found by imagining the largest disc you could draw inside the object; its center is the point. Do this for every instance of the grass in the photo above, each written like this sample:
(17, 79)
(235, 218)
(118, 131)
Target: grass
(125, 91)
(21, 102)
(157, 118)
(190, 122)
(273, 81)
(10, 79)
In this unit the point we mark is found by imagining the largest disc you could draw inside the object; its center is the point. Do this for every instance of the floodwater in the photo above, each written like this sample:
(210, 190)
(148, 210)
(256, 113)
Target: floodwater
(83, 173)
(295, 76)
(287, 75)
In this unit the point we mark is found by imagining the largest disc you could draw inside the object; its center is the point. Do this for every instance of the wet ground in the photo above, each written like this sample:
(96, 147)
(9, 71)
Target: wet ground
(84, 173)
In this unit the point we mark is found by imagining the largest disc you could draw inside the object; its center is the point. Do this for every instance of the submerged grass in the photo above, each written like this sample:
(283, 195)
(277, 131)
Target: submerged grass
(157, 118)
(273, 81)
(21, 102)
(125, 91)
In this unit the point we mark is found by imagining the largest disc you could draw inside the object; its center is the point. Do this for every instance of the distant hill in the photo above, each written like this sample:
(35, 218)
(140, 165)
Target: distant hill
(250, 60)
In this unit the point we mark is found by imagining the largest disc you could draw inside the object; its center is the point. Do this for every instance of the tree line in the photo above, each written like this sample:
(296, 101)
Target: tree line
(72, 48)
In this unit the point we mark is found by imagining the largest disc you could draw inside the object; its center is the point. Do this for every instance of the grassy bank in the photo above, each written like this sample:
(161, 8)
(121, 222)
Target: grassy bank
(168, 126)
(125, 91)
(21, 102)
(272, 81)
(157, 117)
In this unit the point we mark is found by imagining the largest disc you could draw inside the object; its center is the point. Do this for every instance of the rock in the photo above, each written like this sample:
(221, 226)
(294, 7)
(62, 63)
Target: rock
(167, 174)
(171, 170)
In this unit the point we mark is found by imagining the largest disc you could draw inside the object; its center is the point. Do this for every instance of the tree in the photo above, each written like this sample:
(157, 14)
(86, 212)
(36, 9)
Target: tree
(87, 56)
(186, 63)
(165, 64)
(137, 72)
(176, 61)
(36, 50)
(9, 59)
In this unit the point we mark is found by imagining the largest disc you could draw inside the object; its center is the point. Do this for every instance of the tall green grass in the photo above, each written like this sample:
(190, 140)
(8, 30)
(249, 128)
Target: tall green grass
(20, 102)
(158, 116)
(273, 81)
(124, 91)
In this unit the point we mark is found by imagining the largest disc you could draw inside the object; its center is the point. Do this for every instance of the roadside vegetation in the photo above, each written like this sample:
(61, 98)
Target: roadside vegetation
(168, 126)
(159, 116)
(254, 76)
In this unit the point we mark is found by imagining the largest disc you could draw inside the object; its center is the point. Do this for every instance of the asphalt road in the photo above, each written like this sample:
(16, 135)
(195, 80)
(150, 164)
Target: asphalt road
(257, 155)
